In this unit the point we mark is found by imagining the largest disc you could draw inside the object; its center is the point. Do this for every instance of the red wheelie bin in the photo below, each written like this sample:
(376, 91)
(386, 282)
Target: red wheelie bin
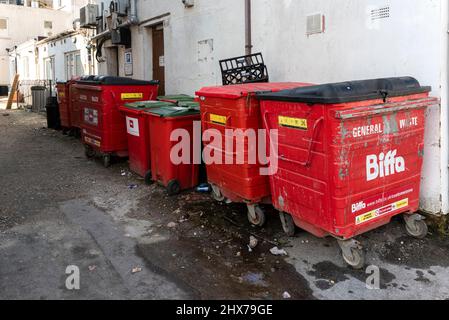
(183, 172)
(65, 104)
(349, 157)
(235, 108)
(103, 126)
(138, 134)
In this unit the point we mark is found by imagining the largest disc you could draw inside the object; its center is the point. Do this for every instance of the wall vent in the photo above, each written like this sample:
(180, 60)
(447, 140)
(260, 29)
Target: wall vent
(315, 24)
(380, 13)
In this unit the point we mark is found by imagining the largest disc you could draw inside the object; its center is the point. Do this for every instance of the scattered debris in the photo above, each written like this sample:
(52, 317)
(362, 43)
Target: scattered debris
(6, 114)
(172, 225)
(132, 186)
(136, 270)
(253, 242)
(286, 295)
(203, 188)
(92, 268)
(184, 218)
(278, 252)
(238, 254)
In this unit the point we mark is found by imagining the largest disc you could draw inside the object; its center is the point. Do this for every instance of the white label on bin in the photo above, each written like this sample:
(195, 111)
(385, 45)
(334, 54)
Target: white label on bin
(132, 125)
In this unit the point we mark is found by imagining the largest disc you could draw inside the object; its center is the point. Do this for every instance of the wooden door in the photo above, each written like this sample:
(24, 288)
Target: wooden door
(159, 57)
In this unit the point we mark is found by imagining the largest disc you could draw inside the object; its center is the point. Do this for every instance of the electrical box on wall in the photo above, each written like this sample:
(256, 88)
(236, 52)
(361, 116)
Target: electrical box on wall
(121, 36)
(188, 3)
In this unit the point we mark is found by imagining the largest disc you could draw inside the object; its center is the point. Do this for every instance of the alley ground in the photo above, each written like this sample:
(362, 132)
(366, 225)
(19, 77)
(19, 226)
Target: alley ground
(58, 209)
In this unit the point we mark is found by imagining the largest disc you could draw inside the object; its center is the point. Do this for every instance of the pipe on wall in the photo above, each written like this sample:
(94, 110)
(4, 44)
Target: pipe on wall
(248, 29)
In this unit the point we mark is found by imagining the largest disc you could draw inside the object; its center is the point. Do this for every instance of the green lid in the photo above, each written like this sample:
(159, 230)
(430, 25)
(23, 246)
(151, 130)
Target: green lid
(140, 105)
(189, 104)
(176, 97)
(171, 112)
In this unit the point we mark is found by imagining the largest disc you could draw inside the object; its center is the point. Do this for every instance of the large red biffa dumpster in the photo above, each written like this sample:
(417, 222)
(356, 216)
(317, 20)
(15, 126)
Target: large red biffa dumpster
(349, 157)
(103, 126)
(235, 107)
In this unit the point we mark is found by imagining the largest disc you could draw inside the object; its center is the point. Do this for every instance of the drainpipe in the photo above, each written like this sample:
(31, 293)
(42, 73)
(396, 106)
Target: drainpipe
(248, 31)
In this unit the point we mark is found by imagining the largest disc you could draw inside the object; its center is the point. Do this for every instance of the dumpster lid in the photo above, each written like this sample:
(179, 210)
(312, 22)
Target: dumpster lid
(109, 80)
(349, 91)
(242, 90)
(171, 112)
(176, 97)
(189, 104)
(141, 105)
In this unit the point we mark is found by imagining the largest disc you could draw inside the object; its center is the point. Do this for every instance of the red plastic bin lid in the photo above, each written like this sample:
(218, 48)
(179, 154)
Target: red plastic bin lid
(242, 90)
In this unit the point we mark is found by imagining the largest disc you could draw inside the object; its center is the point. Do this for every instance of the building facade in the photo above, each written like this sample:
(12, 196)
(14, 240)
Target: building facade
(22, 21)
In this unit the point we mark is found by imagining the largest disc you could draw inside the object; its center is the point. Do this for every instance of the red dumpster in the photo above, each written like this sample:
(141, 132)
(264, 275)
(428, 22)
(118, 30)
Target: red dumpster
(349, 157)
(65, 102)
(175, 175)
(103, 126)
(235, 107)
(138, 134)
(62, 89)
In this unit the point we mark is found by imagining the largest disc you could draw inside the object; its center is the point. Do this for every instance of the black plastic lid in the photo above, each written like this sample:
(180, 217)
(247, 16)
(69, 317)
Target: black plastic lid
(349, 91)
(115, 81)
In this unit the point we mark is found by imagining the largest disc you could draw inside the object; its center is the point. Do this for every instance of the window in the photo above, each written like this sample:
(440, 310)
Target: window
(3, 27)
(49, 68)
(48, 24)
(73, 65)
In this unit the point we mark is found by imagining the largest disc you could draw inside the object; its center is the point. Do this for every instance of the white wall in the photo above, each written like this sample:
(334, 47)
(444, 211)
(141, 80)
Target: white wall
(186, 69)
(24, 24)
(413, 41)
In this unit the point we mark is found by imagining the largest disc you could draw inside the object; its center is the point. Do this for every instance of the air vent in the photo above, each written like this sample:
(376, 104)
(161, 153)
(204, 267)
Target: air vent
(380, 13)
(315, 24)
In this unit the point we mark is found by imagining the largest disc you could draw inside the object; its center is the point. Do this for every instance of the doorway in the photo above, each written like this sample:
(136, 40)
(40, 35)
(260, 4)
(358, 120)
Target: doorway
(159, 57)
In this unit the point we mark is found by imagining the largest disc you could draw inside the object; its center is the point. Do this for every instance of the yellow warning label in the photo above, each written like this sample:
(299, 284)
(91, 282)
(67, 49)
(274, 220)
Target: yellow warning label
(61, 94)
(92, 141)
(293, 122)
(218, 119)
(132, 96)
(381, 211)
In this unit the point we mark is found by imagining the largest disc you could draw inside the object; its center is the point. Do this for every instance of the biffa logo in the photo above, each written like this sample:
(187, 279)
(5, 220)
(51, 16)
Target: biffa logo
(383, 165)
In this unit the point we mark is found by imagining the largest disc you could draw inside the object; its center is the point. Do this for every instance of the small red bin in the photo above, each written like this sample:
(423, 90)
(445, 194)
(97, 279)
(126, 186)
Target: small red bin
(138, 133)
(235, 107)
(349, 157)
(103, 126)
(163, 122)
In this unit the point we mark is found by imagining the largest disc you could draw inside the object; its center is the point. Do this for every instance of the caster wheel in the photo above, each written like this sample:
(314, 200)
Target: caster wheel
(354, 257)
(216, 194)
(148, 178)
(416, 226)
(89, 152)
(256, 215)
(107, 160)
(173, 188)
(352, 253)
(288, 225)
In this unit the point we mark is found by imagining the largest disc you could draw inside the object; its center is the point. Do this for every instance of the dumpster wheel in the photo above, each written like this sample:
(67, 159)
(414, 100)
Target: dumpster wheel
(148, 178)
(288, 225)
(256, 215)
(216, 193)
(107, 160)
(416, 226)
(352, 253)
(89, 152)
(173, 187)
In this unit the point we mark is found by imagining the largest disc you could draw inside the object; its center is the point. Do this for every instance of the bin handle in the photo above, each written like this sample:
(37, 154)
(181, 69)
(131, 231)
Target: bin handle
(309, 149)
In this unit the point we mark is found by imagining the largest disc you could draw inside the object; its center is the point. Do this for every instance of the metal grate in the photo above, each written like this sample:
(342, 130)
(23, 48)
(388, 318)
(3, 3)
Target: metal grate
(380, 13)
